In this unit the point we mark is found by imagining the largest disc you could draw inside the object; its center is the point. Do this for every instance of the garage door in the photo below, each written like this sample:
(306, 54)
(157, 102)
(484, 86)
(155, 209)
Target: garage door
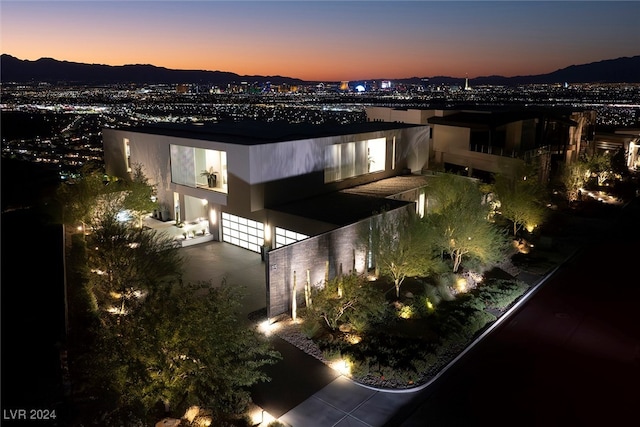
(242, 232)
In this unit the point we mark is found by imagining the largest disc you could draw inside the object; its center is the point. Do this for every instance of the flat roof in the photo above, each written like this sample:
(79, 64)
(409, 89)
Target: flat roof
(486, 120)
(258, 132)
(356, 203)
(390, 186)
(352, 207)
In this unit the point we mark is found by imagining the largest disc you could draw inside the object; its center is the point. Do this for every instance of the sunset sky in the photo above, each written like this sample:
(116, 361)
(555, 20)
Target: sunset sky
(325, 40)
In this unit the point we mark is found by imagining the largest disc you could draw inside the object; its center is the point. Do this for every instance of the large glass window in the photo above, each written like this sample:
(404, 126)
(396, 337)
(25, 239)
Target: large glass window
(354, 158)
(199, 168)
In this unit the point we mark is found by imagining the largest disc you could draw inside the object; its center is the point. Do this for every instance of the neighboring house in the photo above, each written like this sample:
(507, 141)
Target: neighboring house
(479, 143)
(265, 186)
(627, 140)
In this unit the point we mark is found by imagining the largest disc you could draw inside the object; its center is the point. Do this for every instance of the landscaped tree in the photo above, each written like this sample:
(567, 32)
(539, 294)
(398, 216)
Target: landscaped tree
(79, 196)
(573, 177)
(458, 222)
(183, 346)
(159, 346)
(127, 262)
(197, 350)
(522, 198)
(401, 246)
(599, 165)
(139, 198)
(344, 298)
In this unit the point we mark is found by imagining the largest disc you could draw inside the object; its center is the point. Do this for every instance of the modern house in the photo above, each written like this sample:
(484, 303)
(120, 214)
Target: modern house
(479, 143)
(627, 140)
(265, 186)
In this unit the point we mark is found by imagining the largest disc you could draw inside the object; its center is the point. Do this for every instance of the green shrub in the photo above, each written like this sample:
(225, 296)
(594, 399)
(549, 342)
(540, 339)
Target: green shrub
(460, 320)
(348, 299)
(500, 294)
(310, 328)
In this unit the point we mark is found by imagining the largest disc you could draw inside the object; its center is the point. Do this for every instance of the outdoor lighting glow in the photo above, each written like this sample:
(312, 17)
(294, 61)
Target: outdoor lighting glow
(212, 216)
(260, 417)
(123, 216)
(267, 233)
(342, 366)
(354, 339)
(530, 227)
(134, 245)
(139, 294)
(116, 310)
(267, 328)
(97, 271)
(461, 285)
(406, 312)
(79, 228)
(429, 304)
(115, 295)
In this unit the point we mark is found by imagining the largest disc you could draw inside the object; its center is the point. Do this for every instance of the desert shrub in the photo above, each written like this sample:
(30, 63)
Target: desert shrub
(500, 294)
(348, 299)
(445, 285)
(310, 327)
(460, 320)
(331, 350)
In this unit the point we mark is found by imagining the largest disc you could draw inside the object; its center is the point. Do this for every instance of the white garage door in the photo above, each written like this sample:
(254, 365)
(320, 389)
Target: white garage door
(242, 232)
(286, 237)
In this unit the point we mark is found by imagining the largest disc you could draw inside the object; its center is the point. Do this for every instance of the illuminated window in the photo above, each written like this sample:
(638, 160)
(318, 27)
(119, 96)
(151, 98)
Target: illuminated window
(127, 154)
(351, 159)
(199, 168)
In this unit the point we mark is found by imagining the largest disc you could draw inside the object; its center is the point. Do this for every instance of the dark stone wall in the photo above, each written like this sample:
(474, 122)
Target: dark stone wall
(325, 256)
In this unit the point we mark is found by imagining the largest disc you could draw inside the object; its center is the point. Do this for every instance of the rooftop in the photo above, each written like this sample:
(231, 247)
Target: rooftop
(257, 132)
(355, 203)
(485, 120)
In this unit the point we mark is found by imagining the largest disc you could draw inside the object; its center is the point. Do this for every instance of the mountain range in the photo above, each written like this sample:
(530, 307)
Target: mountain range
(12, 69)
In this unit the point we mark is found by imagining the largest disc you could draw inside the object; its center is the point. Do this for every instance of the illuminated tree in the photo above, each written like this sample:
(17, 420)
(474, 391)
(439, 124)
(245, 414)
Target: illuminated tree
(139, 198)
(401, 247)
(458, 222)
(521, 198)
(347, 298)
(573, 177)
(599, 165)
(79, 196)
(199, 352)
(159, 346)
(127, 262)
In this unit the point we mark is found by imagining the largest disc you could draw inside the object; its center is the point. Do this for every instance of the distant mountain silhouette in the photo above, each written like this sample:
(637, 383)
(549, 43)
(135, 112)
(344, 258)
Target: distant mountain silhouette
(620, 70)
(12, 69)
(51, 70)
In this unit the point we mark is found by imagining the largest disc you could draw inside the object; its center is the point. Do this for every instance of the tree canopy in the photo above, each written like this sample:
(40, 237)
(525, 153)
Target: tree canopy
(522, 198)
(458, 222)
(401, 246)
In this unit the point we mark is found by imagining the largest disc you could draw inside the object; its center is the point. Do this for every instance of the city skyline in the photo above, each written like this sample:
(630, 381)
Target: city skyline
(326, 40)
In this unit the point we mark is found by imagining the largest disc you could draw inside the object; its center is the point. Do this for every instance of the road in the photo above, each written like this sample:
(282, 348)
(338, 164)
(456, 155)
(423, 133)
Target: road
(570, 356)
